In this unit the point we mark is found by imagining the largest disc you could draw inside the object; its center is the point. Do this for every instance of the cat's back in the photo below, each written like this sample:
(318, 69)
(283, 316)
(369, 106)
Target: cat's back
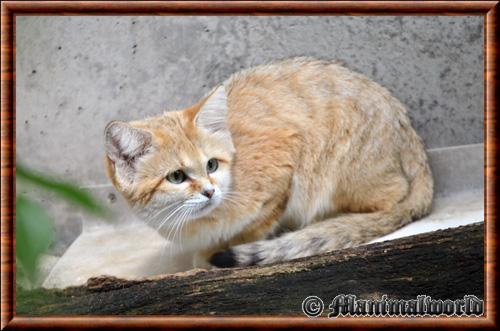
(302, 91)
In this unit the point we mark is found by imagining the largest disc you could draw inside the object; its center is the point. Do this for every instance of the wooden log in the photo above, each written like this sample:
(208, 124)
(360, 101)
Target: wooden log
(445, 264)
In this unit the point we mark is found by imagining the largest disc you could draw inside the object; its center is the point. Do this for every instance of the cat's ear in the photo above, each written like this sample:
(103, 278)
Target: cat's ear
(212, 115)
(125, 145)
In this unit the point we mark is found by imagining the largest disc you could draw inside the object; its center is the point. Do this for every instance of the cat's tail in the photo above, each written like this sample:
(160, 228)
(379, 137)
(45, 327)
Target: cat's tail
(335, 233)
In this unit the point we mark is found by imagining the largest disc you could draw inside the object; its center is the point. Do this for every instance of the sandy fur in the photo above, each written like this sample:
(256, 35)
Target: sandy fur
(315, 150)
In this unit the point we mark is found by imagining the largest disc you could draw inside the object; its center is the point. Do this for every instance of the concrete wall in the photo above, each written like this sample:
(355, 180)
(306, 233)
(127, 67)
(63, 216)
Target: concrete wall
(75, 74)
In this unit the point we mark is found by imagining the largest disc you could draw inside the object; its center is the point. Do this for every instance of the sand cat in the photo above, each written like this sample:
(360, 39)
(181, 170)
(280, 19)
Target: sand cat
(280, 161)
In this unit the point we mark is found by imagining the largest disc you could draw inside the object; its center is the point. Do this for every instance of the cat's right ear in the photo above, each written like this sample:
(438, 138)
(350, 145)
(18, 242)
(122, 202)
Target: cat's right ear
(125, 145)
(212, 115)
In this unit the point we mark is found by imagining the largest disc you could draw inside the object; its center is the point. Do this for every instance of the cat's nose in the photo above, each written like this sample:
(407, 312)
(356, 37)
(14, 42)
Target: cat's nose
(208, 193)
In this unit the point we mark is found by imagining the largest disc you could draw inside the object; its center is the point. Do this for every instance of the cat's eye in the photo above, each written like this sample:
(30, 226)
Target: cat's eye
(176, 177)
(212, 165)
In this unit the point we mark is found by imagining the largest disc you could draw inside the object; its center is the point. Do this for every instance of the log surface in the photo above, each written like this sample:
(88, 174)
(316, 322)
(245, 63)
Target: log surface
(445, 264)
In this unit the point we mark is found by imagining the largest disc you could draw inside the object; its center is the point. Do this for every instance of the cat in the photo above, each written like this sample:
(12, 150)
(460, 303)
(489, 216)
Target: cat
(281, 161)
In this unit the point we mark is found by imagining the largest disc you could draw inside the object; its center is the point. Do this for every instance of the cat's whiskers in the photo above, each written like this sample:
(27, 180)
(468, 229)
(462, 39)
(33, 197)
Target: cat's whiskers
(236, 202)
(178, 224)
(183, 214)
(172, 242)
(236, 196)
(150, 220)
(172, 232)
(183, 220)
(166, 208)
(170, 216)
(233, 200)
(184, 223)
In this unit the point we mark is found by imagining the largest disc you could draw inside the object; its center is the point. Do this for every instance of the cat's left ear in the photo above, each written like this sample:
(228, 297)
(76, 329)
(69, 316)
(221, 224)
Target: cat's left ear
(212, 115)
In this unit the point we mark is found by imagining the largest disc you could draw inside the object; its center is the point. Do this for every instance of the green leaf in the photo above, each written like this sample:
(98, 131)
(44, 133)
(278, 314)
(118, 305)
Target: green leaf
(34, 234)
(65, 190)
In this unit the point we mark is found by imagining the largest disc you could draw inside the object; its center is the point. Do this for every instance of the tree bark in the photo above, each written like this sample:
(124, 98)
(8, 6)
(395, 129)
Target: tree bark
(445, 264)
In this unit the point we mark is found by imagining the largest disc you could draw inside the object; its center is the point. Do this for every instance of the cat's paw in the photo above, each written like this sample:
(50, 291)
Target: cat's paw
(238, 256)
(223, 259)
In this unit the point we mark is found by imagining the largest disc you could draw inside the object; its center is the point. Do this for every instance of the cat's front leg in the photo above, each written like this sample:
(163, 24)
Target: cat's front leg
(200, 262)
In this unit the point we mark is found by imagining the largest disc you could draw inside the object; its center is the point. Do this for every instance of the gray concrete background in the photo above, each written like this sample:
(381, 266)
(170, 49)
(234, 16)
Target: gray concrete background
(75, 74)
